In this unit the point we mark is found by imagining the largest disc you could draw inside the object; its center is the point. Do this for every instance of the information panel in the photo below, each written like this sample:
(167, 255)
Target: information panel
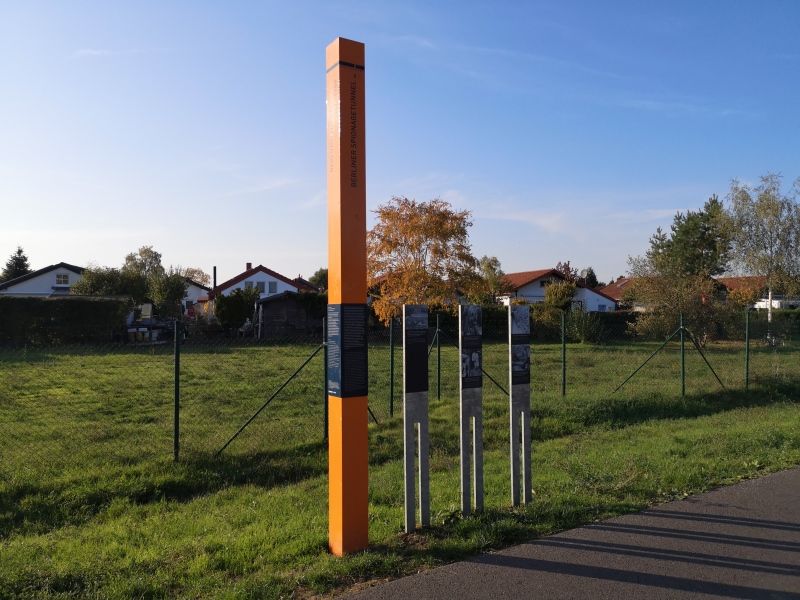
(347, 350)
(471, 348)
(520, 345)
(415, 347)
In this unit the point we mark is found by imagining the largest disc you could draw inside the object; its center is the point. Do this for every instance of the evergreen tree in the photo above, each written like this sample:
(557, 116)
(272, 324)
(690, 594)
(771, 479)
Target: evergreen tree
(16, 266)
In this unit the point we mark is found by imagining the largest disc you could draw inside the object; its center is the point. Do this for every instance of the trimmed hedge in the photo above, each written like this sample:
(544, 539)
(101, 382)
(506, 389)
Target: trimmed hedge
(61, 320)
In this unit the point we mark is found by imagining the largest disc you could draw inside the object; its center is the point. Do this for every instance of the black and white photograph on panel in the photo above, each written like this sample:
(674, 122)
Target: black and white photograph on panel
(471, 350)
(520, 320)
(520, 363)
(520, 329)
(416, 317)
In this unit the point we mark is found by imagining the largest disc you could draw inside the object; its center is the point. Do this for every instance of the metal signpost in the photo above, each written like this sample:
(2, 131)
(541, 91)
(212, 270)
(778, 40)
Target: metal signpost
(471, 405)
(519, 375)
(415, 412)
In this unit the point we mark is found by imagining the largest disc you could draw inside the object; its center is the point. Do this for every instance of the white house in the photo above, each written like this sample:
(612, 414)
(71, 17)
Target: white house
(266, 281)
(55, 280)
(529, 286)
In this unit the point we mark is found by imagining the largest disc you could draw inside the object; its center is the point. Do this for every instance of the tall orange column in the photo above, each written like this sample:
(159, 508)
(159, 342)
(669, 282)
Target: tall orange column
(347, 294)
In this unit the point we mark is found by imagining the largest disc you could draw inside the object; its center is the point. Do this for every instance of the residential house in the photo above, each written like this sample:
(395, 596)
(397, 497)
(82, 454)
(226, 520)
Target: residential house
(530, 286)
(55, 280)
(759, 282)
(266, 281)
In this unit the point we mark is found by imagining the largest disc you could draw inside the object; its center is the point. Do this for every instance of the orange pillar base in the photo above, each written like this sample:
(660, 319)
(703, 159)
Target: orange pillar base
(348, 520)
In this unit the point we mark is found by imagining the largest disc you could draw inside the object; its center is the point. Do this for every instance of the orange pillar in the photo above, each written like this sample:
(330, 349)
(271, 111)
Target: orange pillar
(347, 294)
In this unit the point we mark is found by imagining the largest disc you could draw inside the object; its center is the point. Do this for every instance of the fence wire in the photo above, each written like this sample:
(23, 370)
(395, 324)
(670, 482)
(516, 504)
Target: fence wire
(74, 415)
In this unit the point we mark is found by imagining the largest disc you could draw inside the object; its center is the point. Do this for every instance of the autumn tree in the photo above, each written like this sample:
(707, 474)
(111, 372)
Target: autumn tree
(492, 281)
(766, 238)
(419, 253)
(196, 274)
(674, 276)
(17, 265)
(567, 271)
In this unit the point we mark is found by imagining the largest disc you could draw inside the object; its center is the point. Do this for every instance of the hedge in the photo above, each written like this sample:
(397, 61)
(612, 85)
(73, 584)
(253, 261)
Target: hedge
(60, 320)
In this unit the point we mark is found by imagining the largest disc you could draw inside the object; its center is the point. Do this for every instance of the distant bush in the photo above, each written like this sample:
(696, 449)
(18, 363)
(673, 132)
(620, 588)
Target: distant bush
(60, 320)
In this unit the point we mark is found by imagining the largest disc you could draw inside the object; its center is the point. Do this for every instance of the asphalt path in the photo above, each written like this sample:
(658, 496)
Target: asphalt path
(741, 541)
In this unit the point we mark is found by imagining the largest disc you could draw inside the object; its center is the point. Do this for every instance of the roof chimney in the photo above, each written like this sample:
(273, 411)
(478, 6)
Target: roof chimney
(249, 266)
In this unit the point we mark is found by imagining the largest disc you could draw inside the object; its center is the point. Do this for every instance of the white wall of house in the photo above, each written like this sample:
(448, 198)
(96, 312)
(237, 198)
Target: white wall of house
(591, 301)
(588, 300)
(533, 292)
(53, 283)
(778, 302)
(270, 285)
(194, 293)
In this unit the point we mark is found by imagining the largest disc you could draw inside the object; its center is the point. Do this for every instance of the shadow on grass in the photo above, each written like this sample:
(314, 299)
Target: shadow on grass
(42, 505)
(457, 539)
(46, 504)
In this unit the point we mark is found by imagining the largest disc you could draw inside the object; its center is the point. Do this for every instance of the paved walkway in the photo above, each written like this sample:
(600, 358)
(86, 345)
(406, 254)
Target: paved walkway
(742, 541)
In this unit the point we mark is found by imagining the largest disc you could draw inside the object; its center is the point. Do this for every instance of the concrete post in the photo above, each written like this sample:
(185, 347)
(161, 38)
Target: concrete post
(519, 380)
(471, 406)
(415, 413)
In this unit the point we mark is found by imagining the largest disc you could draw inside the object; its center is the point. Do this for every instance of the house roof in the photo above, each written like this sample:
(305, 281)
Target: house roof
(616, 289)
(745, 281)
(32, 274)
(250, 272)
(523, 278)
(274, 297)
(600, 292)
(303, 284)
(197, 284)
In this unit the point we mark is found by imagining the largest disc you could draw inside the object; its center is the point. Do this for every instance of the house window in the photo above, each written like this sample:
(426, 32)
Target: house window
(273, 287)
(601, 308)
(62, 279)
(542, 283)
(248, 285)
(260, 286)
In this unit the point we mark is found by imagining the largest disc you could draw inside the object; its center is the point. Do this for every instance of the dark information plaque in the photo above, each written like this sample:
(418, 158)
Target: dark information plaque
(471, 347)
(347, 350)
(415, 348)
(519, 333)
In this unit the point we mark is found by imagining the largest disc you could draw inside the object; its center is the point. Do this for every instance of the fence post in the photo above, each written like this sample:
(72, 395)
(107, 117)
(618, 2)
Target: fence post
(438, 360)
(391, 367)
(563, 353)
(177, 376)
(325, 376)
(747, 349)
(683, 360)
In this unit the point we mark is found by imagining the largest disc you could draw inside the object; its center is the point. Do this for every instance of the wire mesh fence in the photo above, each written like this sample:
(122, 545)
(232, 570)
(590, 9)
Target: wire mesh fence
(103, 414)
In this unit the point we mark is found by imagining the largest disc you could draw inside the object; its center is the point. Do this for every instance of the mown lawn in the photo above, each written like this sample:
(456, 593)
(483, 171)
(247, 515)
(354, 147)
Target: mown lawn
(91, 503)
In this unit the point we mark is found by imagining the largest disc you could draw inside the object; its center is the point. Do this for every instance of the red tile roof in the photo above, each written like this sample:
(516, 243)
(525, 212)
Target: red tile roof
(746, 281)
(616, 289)
(523, 278)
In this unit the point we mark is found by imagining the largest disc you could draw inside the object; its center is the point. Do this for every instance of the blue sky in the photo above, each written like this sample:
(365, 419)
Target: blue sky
(571, 130)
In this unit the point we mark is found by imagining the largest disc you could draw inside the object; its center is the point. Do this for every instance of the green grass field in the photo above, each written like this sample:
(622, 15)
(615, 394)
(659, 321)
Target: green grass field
(91, 503)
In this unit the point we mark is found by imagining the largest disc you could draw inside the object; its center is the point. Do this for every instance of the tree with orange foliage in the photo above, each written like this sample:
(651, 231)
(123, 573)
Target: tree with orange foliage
(419, 253)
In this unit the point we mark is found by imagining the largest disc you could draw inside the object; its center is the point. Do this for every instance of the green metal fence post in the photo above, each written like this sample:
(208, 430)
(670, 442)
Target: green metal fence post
(391, 367)
(746, 349)
(563, 353)
(325, 376)
(683, 360)
(177, 376)
(438, 360)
